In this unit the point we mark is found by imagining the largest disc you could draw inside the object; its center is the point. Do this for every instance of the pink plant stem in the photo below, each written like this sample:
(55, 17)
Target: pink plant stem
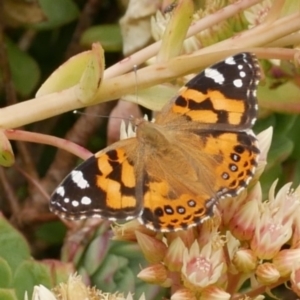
(21, 135)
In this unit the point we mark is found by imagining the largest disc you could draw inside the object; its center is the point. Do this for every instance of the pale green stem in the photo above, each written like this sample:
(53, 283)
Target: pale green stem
(140, 57)
(53, 104)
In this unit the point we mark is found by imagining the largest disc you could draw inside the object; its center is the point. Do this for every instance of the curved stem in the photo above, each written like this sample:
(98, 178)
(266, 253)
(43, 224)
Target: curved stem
(21, 135)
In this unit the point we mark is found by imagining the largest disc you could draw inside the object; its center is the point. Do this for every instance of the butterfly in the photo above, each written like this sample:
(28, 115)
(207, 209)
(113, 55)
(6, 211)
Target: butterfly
(199, 150)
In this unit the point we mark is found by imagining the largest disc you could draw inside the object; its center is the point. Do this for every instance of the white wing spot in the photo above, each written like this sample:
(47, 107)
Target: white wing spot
(230, 61)
(253, 121)
(242, 74)
(66, 200)
(240, 67)
(86, 200)
(238, 83)
(215, 75)
(75, 203)
(77, 177)
(60, 191)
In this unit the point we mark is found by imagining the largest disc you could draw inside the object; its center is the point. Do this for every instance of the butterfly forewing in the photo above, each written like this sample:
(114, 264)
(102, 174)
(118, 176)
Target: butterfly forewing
(200, 149)
(102, 186)
(223, 96)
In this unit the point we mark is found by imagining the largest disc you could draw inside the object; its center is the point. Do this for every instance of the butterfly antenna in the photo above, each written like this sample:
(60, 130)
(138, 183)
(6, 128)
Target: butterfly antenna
(135, 68)
(76, 112)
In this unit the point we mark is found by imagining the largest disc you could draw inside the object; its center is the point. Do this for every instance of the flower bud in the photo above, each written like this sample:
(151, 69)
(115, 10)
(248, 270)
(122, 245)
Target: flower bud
(267, 273)
(285, 261)
(174, 256)
(153, 249)
(214, 293)
(156, 274)
(295, 281)
(183, 294)
(244, 260)
(243, 222)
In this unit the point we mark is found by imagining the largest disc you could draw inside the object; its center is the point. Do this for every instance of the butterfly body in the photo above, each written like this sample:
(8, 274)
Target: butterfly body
(200, 149)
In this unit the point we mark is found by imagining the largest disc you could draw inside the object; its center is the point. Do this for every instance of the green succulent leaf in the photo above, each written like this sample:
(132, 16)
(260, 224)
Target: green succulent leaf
(29, 274)
(5, 274)
(153, 98)
(108, 35)
(14, 248)
(96, 253)
(21, 64)
(280, 150)
(8, 294)
(114, 273)
(59, 271)
(7, 157)
(58, 13)
(284, 123)
(283, 98)
(295, 137)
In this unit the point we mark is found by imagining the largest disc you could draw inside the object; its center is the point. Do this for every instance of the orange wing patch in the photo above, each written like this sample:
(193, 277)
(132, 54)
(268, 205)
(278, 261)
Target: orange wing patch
(212, 105)
(117, 179)
(166, 209)
(238, 154)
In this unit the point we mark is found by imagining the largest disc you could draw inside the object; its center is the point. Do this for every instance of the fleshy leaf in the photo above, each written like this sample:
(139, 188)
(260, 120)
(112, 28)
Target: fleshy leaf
(5, 274)
(281, 148)
(8, 294)
(92, 75)
(68, 74)
(58, 14)
(14, 248)
(29, 274)
(111, 275)
(21, 64)
(58, 270)
(175, 33)
(108, 35)
(294, 136)
(96, 252)
(153, 98)
(284, 98)
(7, 157)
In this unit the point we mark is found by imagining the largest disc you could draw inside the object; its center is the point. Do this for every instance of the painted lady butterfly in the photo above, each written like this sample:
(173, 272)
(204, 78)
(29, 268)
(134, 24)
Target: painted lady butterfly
(200, 149)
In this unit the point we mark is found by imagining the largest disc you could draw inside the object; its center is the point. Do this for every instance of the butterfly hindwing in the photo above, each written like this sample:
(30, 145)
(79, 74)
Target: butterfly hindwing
(170, 208)
(184, 196)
